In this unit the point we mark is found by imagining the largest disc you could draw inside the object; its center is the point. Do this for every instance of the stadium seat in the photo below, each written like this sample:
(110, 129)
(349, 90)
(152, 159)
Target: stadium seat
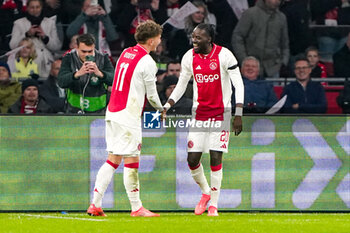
(278, 90)
(332, 93)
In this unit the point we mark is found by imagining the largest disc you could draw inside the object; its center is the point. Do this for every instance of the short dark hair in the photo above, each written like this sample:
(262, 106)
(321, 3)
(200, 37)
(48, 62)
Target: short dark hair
(40, 1)
(147, 30)
(209, 30)
(87, 39)
(301, 58)
(172, 62)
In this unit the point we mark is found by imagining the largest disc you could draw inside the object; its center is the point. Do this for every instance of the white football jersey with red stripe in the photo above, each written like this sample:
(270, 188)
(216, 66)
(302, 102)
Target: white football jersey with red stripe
(134, 70)
(212, 76)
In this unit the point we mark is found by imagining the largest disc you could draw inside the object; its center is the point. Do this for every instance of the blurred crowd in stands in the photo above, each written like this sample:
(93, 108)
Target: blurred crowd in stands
(297, 48)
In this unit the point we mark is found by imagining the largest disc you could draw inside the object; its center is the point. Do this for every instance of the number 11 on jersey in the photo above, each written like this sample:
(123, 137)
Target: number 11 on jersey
(121, 76)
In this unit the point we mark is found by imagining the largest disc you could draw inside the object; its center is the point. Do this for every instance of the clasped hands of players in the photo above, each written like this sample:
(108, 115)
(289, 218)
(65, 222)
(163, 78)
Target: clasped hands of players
(89, 67)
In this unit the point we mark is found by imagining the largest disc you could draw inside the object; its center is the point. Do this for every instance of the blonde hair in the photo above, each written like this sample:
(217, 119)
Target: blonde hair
(189, 24)
(32, 53)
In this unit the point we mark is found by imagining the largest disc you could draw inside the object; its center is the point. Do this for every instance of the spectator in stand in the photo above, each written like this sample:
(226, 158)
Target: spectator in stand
(161, 10)
(172, 68)
(343, 99)
(226, 20)
(331, 39)
(85, 73)
(300, 37)
(318, 68)
(52, 93)
(70, 9)
(181, 41)
(10, 90)
(184, 104)
(304, 95)
(10, 11)
(73, 42)
(52, 8)
(259, 95)
(24, 65)
(93, 19)
(341, 60)
(42, 31)
(128, 14)
(262, 32)
(30, 102)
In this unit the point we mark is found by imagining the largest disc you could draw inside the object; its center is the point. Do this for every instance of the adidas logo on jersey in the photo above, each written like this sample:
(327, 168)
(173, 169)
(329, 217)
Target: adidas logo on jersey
(223, 146)
(198, 67)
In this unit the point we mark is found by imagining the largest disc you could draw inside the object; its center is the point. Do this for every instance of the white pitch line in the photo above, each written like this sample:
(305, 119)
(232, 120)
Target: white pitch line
(58, 217)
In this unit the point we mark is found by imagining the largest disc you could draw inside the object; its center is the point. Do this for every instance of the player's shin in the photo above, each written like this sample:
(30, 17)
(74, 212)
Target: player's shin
(103, 178)
(132, 186)
(215, 183)
(197, 173)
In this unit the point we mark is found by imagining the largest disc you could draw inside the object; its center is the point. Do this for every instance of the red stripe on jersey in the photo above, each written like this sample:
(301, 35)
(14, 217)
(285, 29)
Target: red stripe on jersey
(206, 71)
(132, 165)
(122, 77)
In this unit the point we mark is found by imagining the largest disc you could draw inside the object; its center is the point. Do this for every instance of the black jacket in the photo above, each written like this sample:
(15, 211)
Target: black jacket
(343, 100)
(92, 89)
(341, 61)
(42, 107)
(49, 91)
(311, 100)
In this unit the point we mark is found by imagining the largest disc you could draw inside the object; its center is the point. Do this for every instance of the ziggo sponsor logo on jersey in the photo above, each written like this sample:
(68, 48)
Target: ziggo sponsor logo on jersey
(200, 78)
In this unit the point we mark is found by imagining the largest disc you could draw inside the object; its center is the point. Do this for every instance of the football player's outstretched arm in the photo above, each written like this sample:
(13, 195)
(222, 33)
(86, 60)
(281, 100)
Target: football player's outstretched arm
(185, 76)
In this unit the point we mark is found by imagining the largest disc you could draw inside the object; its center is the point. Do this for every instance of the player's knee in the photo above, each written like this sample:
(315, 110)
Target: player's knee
(215, 158)
(192, 162)
(116, 159)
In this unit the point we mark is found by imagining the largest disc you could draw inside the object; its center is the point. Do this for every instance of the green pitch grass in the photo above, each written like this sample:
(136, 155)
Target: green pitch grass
(176, 222)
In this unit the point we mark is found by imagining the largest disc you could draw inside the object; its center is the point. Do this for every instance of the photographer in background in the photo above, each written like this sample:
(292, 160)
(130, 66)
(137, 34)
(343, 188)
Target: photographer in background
(86, 73)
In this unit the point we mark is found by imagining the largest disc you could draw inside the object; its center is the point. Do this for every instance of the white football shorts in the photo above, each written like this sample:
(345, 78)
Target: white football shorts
(122, 140)
(209, 139)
